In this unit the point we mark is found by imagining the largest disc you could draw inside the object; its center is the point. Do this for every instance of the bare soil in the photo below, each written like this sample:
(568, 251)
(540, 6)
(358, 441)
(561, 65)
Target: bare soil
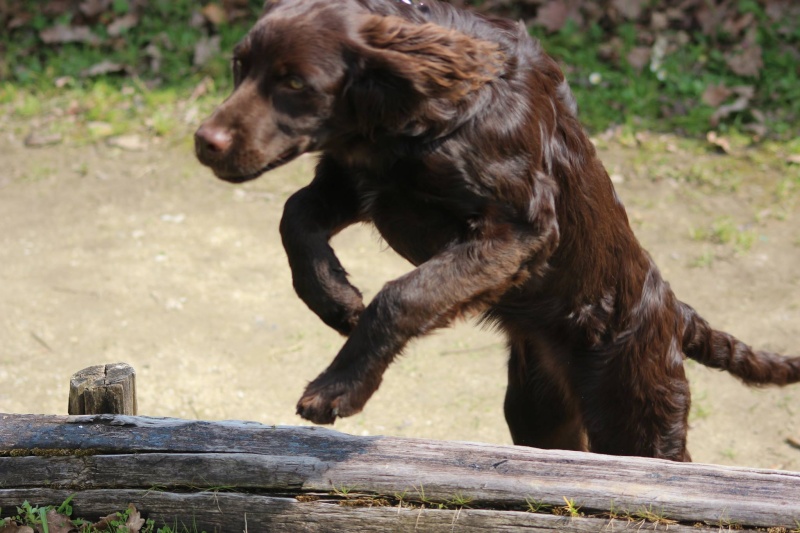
(109, 255)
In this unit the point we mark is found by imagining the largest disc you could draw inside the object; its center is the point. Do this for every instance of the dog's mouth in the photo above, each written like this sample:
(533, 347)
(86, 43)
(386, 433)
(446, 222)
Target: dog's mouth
(282, 159)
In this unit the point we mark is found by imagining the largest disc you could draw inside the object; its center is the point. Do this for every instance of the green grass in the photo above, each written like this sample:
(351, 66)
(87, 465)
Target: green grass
(536, 506)
(101, 110)
(728, 453)
(609, 92)
(571, 509)
(404, 499)
(669, 98)
(648, 514)
(341, 491)
(164, 24)
(41, 518)
(699, 409)
(724, 230)
(704, 260)
(459, 500)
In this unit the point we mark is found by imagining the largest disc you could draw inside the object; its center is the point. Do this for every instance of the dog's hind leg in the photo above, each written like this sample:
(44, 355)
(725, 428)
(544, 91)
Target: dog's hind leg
(540, 408)
(635, 401)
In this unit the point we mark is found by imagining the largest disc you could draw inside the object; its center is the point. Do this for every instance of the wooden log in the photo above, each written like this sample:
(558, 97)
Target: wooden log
(116, 453)
(103, 389)
(224, 512)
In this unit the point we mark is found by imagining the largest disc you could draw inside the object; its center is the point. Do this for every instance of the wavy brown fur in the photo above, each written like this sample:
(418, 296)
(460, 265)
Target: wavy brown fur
(440, 62)
(721, 350)
(458, 138)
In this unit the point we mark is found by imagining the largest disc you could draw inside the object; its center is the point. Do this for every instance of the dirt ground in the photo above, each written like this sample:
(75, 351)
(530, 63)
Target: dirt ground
(142, 256)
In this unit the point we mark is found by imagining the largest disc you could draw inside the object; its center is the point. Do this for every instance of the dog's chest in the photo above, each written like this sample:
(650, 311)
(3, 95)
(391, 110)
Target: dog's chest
(416, 214)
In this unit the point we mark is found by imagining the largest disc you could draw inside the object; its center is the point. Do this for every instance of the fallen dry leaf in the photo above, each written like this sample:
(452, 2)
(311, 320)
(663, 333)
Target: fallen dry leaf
(104, 67)
(132, 143)
(205, 85)
(629, 9)
(746, 63)
(734, 26)
(62, 34)
(37, 140)
(18, 20)
(639, 57)
(153, 52)
(215, 14)
(54, 8)
(711, 17)
(57, 523)
(63, 81)
(776, 9)
(611, 50)
(553, 15)
(236, 9)
(740, 104)
(104, 524)
(122, 24)
(197, 20)
(12, 527)
(720, 142)
(659, 21)
(205, 49)
(758, 130)
(94, 8)
(133, 524)
(759, 127)
(714, 95)
(135, 520)
(745, 91)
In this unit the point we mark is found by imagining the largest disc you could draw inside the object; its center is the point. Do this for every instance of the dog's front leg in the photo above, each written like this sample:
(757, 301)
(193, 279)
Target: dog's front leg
(310, 218)
(465, 278)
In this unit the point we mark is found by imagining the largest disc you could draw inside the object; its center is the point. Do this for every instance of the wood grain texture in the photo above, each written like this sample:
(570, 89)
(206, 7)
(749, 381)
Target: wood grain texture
(122, 452)
(225, 512)
(103, 389)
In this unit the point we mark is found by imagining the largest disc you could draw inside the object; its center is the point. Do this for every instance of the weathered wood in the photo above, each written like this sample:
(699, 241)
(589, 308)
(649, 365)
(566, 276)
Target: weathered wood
(115, 452)
(224, 512)
(103, 389)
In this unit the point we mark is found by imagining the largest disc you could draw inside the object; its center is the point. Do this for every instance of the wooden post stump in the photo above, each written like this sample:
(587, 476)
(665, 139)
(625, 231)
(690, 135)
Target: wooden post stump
(103, 390)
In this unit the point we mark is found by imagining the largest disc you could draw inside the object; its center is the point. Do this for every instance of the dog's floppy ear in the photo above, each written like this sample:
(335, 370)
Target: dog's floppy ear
(412, 74)
(438, 62)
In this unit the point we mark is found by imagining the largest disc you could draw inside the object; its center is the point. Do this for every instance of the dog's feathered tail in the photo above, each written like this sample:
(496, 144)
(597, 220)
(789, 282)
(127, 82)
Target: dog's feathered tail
(717, 349)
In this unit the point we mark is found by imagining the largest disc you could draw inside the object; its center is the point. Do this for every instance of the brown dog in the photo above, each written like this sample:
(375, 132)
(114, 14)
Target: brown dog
(457, 137)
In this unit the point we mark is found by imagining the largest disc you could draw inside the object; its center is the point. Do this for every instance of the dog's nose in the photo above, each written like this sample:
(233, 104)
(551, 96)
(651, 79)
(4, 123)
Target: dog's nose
(212, 140)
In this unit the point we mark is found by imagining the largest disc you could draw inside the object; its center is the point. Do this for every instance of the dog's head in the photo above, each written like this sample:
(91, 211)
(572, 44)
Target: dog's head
(312, 73)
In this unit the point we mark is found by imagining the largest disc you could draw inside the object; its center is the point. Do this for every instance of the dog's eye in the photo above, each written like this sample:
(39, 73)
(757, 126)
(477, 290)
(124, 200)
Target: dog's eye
(236, 66)
(295, 83)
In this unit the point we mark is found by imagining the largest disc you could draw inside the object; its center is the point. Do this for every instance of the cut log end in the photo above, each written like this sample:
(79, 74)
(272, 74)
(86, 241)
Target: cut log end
(103, 389)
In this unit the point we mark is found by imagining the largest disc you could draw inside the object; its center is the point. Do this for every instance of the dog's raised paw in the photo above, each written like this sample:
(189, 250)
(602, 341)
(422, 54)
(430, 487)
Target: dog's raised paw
(325, 399)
